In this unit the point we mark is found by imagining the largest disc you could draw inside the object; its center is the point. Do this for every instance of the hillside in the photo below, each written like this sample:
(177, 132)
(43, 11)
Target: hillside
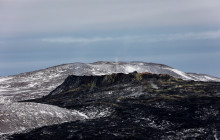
(39, 83)
(134, 106)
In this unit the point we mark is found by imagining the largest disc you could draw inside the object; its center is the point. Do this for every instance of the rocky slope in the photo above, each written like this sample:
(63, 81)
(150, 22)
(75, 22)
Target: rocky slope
(101, 99)
(136, 106)
(15, 117)
(39, 83)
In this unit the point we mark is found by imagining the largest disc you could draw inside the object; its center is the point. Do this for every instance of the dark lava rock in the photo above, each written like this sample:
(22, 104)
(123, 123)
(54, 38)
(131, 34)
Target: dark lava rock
(139, 106)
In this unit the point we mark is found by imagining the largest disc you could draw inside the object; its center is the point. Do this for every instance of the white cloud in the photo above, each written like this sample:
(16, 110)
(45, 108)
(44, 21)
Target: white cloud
(54, 16)
(143, 38)
(86, 40)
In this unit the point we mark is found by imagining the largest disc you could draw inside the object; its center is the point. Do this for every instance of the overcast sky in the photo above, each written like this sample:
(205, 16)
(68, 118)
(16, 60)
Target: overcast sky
(37, 34)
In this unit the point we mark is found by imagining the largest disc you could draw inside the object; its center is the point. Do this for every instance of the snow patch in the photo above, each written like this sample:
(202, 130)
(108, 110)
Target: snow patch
(3, 79)
(32, 115)
(129, 69)
(182, 74)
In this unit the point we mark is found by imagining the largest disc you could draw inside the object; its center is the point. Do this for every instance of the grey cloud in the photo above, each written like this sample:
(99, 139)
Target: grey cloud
(43, 16)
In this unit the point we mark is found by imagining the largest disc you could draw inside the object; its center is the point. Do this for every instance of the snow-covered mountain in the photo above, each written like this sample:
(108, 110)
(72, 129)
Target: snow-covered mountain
(39, 83)
(18, 116)
(124, 106)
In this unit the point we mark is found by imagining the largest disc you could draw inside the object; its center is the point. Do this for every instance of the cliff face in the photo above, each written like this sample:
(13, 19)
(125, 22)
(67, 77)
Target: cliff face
(134, 106)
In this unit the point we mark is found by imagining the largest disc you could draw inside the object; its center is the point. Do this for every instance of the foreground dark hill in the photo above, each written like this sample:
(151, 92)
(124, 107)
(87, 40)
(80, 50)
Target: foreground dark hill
(134, 106)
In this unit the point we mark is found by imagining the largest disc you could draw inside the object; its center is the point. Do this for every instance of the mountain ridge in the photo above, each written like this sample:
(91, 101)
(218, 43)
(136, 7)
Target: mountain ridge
(39, 83)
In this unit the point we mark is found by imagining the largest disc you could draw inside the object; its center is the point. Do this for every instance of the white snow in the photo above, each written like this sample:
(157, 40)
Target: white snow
(182, 74)
(94, 112)
(154, 86)
(129, 69)
(2, 79)
(40, 83)
(4, 100)
(32, 115)
(209, 78)
(202, 77)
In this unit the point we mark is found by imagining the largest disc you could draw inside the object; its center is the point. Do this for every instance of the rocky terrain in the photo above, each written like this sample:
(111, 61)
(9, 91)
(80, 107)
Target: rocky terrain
(133, 106)
(17, 117)
(108, 100)
(39, 83)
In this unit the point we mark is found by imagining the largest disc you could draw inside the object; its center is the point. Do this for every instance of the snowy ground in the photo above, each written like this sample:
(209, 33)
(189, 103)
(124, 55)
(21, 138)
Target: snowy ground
(21, 116)
(16, 116)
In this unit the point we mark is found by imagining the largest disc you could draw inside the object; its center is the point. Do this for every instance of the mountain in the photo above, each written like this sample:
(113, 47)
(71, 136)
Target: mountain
(133, 106)
(85, 101)
(39, 83)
